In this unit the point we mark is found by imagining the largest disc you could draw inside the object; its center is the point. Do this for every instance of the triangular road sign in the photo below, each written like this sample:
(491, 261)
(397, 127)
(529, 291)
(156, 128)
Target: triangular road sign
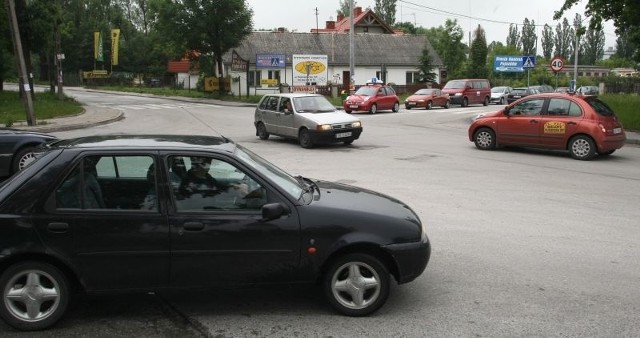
(528, 62)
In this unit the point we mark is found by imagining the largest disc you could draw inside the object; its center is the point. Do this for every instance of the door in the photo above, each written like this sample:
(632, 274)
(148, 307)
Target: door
(286, 120)
(218, 237)
(521, 126)
(108, 204)
(561, 119)
(269, 113)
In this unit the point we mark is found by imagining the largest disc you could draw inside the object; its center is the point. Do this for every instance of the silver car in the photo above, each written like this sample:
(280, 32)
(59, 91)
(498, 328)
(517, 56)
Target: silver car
(309, 118)
(499, 94)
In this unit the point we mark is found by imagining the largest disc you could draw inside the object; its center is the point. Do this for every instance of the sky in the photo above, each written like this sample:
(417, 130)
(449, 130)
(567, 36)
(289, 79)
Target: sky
(493, 15)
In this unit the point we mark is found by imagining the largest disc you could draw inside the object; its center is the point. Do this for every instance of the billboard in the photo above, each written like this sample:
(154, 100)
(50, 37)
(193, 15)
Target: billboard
(310, 70)
(513, 63)
(270, 61)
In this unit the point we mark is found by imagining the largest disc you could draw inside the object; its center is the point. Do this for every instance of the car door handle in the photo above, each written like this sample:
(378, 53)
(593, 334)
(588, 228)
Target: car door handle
(533, 121)
(193, 226)
(58, 227)
(571, 123)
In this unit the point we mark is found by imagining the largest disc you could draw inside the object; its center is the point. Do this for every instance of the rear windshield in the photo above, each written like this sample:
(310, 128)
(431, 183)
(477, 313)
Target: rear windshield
(519, 91)
(600, 107)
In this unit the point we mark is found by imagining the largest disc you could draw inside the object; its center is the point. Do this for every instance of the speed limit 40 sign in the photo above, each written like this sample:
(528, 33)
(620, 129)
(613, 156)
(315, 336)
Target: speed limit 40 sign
(557, 64)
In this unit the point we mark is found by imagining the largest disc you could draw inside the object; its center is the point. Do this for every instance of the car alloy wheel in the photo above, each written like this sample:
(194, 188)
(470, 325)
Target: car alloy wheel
(484, 139)
(465, 102)
(262, 131)
(486, 101)
(304, 138)
(446, 105)
(502, 100)
(356, 284)
(396, 107)
(23, 158)
(429, 105)
(373, 109)
(34, 295)
(582, 148)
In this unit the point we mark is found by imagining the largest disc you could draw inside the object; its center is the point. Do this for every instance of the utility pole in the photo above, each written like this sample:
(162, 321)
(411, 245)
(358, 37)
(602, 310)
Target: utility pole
(59, 55)
(22, 67)
(351, 50)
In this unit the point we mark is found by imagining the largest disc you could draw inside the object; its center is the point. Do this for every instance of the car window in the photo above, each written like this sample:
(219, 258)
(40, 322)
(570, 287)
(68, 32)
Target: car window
(600, 107)
(390, 91)
(455, 84)
(366, 91)
(563, 107)
(214, 184)
(528, 107)
(118, 182)
(313, 104)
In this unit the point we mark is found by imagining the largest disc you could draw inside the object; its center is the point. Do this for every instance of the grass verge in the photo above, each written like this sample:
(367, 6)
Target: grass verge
(45, 106)
(626, 107)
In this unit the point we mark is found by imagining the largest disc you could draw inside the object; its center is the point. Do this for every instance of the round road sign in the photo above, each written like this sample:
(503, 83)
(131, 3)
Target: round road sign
(557, 63)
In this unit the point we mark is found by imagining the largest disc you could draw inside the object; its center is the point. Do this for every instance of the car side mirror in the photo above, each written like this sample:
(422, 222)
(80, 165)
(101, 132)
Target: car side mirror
(272, 211)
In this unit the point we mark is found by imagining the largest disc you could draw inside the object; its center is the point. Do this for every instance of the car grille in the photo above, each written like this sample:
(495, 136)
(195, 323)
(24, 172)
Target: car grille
(340, 126)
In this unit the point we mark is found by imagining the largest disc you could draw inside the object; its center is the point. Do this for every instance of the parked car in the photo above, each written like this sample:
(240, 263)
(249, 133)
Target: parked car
(157, 212)
(309, 118)
(17, 149)
(518, 93)
(468, 91)
(562, 90)
(372, 98)
(427, 98)
(582, 125)
(588, 90)
(543, 88)
(499, 94)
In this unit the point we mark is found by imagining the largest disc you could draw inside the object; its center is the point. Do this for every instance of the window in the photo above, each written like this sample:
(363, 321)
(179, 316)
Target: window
(563, 107)
(269, 103)
(213, 184)
(254, 78)
(529, 108)
(110, 182)
(274, 74)
(412, 77)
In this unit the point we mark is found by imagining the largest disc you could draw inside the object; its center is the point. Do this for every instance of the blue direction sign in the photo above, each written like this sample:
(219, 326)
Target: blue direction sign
(513, 63)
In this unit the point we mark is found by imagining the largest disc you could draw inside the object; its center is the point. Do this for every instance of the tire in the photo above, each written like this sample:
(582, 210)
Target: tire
(348, 111)
(29, 287)
(446, 105)
(465, 102)
(356, 284)
(262, 131)
(484, 139)
(373, 109)
(429, 105)
(346, 143)
(502, 100)
(22, 158)
(581, 147)
(396, 107)
(407, 107)
(304, 138)
(485, 102)
(606, 153)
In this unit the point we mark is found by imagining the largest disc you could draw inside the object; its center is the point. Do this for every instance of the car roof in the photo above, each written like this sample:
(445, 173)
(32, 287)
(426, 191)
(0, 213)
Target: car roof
(557, 95)
(157, 142)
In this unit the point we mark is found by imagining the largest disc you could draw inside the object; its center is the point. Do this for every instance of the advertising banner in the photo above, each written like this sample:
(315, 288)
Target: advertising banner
(238, 64)
(97, 47)
(115, 45)
(508, 63)
(270, 61)
(310, 70)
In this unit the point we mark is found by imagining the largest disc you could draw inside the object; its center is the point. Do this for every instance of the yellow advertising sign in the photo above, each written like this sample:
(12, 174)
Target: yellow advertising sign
(270, 82)
(213, 83)
(97, 46)
(310, 67)
(555, 127)
(115, 45)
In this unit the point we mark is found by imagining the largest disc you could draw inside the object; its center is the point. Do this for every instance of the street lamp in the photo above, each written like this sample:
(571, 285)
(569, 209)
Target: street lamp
(574, 82)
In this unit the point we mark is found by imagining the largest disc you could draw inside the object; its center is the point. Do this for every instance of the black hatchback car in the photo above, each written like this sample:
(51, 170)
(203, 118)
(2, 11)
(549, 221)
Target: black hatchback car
(149, 213)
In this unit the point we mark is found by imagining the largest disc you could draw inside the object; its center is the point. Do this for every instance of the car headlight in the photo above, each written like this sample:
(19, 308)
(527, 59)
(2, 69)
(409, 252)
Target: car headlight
(323, 127)
(458, 94)
(420, 100)
(356, 124)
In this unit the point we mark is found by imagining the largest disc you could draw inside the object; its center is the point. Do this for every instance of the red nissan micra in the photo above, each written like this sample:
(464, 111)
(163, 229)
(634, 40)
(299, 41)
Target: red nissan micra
(583, 125)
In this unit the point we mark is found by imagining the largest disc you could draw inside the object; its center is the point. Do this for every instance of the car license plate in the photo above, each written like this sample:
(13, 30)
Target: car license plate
(516, 96)
(412, 103)
(617, 130)
(341, 135)
(353, 106)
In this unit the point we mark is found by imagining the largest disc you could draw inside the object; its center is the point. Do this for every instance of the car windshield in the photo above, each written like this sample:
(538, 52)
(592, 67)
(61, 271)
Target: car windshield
(313, 104)
(497, 89)
(454, 85)
(600, 107)
(285, 181)
(425, 92)
(366, 91)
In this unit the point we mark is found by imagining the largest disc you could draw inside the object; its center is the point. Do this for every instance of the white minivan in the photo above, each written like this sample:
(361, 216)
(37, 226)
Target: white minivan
(309, 118)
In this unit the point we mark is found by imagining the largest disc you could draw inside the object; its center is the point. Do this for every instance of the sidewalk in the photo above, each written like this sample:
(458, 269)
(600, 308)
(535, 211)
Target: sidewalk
(94, 116)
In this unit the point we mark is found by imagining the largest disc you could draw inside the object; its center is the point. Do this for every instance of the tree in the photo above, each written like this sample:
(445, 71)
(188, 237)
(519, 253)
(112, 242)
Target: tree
(529, 37)
(425, 69)
(625, 47)
(386, 9)
(563, 39)
(478, 55)
(547, 41)
(625, 15)
(579, 32)
(6, 59)
(344, 8)
(212, 27)
(593, 46)
(513, 39)
(447, 41)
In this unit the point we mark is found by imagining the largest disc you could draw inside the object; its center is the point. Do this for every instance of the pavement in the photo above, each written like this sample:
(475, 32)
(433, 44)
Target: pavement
(94, 116)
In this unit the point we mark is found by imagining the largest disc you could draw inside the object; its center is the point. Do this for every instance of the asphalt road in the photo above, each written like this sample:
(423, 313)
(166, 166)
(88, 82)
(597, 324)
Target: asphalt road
(525, 243)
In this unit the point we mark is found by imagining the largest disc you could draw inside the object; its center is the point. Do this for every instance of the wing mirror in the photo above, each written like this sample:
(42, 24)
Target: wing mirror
(272, 211)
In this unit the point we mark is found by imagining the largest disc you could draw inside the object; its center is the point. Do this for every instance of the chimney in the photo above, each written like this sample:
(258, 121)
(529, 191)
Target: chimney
(357, 11)
(281, 29)
(331, 25)
(340, 17)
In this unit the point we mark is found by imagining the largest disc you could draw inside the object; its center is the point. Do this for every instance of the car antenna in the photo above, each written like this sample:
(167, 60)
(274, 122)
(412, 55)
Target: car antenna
(204, 123)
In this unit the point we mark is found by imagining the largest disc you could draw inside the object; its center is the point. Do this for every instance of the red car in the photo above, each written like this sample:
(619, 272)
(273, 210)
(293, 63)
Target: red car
(427, 98)
(583, 125)
(372, 98)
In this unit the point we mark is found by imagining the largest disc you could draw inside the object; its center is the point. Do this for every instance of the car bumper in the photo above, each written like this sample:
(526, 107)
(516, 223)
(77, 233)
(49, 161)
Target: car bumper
(611, 142)
(415, 104)
(355, 106)
(336, 136)
(411, 258)
(456, 99)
